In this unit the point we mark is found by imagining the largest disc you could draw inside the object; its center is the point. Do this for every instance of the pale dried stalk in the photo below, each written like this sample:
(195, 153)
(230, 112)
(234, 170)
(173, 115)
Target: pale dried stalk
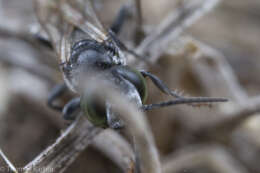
(215, 157)
(14, 58)
(243, 107)
(65, 150)
(225, 126)
(206, 64)
(139, 15)
(116, 148)
(39, 70)
(156, 43)
(108, 142)
(137, 124)
(8, 162)
(76, 138)
(149, 155)
(112, 145)
(216, 62)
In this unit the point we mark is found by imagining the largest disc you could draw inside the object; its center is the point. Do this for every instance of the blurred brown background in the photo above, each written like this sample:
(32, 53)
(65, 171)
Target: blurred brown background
(28, 126)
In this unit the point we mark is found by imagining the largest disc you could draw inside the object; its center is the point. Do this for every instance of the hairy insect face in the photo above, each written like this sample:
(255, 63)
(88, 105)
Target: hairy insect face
(88, 57)
(92, 55)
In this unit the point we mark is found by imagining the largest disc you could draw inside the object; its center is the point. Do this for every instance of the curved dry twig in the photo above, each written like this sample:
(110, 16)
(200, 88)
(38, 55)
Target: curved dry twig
(208, 63)
(79, 135)
(10, 165)
(229, 81)
(215, 157)
(137, 125)
(116, 148)
(225, 126)
(139, 13)
(156, 43)
(65, 150)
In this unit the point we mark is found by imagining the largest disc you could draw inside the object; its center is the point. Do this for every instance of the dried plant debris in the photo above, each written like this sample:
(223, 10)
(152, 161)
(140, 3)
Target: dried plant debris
(42, 40)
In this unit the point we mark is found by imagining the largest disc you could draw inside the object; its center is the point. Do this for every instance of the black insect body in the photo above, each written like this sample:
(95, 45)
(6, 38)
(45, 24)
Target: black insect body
(88, 52)
(88, 57)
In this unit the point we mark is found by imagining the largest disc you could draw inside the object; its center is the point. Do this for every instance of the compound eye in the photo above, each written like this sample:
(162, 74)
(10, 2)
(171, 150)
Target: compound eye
(103, 65)
(94, 110)
(140, 84)
(136, 78)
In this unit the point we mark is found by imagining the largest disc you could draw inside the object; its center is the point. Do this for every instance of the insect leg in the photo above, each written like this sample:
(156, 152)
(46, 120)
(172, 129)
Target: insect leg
(122, 15)
(56, 93)
(188, 100)
(71, 109)
(179, 99)
(159, 84)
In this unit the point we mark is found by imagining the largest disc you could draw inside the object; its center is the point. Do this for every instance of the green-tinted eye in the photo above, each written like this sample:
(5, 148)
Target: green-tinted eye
(140, 84)
(136, 78)
(94, 110)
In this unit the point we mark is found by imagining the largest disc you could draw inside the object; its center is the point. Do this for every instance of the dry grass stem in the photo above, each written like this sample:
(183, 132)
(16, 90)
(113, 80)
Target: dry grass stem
(216, 158)
(156, 43)
(137, 124)
(8, 162)
(67, 147)
(206, 145)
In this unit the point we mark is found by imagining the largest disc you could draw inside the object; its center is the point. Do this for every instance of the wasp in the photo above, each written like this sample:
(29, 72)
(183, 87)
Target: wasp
(86, 49)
